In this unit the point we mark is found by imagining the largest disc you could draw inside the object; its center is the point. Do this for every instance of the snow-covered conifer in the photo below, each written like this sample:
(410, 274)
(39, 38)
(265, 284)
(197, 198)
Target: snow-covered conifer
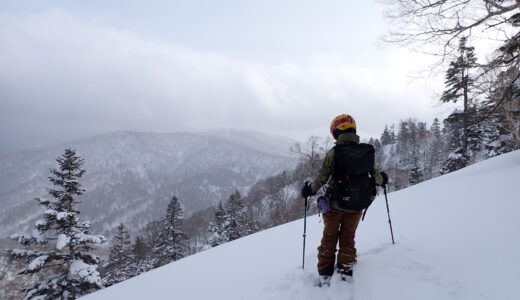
(453, 130)
(63, 242)
(237, 224)
(436, 128)
(386, 137)
(460, 82)
(218, 233)
(174, 243)
(120, 244)
(140, 248)
(118, 267)
(415, 174)
(140, 259)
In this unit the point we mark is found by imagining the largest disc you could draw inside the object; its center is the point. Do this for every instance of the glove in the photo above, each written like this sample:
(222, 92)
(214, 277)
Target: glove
(385, 178)
(307, 190)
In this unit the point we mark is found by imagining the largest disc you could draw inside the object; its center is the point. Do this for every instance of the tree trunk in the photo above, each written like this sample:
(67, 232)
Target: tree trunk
(465, 116)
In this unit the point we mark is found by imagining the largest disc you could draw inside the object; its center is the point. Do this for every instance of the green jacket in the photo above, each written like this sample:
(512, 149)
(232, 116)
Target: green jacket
(325, 171)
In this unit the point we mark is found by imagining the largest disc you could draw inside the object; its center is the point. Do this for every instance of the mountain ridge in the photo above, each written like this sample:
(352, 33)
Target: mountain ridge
(144, 168)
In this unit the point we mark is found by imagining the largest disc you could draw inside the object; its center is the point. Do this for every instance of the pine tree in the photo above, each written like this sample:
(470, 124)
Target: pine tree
(173, 243)
(404, 143)
(422, 131)
(377, 144)
(141, 259)
(435, 149)
(65, 241)
(415, 174)
(217, 227)
(457, 158)
(234, 209)
(459, 83)
(140, 248)
(436, 128)
(120, 245)
(386, 137)
(237, 223)
(118, 267)
(393, 138)
(403, 135)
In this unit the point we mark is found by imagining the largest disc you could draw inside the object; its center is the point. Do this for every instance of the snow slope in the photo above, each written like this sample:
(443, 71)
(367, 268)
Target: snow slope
(457, 237)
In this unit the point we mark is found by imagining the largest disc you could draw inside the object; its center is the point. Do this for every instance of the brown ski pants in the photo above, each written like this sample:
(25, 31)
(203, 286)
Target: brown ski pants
(338, 225)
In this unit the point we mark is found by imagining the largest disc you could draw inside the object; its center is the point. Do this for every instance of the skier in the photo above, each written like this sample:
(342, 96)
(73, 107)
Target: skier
(349, 194)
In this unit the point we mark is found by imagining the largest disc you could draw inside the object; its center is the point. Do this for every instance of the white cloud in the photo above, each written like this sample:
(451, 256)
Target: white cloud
(56, 68)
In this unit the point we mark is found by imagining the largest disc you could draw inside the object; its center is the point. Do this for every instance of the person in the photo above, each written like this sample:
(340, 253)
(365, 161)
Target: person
(342, 218)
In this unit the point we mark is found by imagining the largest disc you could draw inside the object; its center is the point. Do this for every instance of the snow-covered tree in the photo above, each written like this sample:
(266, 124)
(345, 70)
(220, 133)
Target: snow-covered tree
(140, 258)
(218, 233)
(436, 128)
(140, 248)
(63, 242)
(415, 174)
(118, 267)
(434, 150)
(237, 222)
(386, 137)
(460, 81)
(174, 243)
(120, 244)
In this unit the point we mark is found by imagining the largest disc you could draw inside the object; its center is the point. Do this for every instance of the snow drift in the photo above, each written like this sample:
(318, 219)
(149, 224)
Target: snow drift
(456, 238)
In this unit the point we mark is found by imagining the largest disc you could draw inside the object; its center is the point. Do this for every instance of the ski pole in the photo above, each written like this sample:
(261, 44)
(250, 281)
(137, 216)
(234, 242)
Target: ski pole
(388, 212)
(304, 231)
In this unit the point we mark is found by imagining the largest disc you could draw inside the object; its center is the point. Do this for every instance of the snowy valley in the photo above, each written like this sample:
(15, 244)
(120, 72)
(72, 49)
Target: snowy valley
(456, 238)
(131, 176)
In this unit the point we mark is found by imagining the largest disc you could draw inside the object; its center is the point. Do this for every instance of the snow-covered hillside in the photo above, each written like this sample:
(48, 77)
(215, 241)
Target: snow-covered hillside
(268, 143)
(131, 176)
(456, 238)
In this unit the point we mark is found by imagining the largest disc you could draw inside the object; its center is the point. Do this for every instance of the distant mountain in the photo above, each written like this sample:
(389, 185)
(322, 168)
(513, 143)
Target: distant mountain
(264, 142)
(131, 176)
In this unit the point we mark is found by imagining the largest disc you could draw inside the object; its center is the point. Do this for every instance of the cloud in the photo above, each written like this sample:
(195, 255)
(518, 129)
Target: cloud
(62, 77)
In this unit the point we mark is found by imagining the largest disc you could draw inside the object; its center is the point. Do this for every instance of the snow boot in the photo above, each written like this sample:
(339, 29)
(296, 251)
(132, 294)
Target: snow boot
(346, 274)
(324, 281)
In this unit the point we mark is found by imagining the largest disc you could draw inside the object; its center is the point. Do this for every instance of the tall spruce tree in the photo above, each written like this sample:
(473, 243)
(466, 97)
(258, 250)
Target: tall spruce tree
(460, 81)
(140, 257)
(174, 243)
(120, 244)
(436, 128)
(386, 137)
(234, 212)
(415, 174)
(217, 229)
(65, 242)
(457, 157)
(237, 224)
(435, 149)
(118, 266)
(140, 248)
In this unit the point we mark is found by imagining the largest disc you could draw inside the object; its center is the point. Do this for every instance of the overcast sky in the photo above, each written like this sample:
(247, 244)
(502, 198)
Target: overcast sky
(72, 69)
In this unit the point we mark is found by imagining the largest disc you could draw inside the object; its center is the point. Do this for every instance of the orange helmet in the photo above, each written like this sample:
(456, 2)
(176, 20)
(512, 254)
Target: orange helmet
(341, 123)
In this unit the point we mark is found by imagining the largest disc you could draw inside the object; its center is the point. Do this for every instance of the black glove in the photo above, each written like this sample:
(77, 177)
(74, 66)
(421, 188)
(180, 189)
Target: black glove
(307, 190)
(385, 178)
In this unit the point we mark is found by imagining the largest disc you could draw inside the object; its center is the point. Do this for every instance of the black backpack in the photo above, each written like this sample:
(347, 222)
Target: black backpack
(353, 175)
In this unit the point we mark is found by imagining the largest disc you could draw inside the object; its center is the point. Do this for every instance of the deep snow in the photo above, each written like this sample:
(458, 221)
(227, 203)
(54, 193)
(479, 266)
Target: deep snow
(457, 237)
